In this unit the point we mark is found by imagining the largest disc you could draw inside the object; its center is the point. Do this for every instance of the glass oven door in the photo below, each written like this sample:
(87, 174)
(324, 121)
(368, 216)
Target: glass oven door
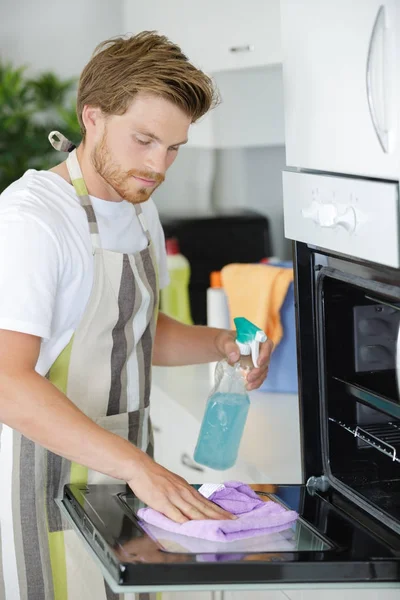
(332, 542)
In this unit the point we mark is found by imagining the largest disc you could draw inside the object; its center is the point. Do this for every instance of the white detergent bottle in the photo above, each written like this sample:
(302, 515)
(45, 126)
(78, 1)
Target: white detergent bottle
(217, 310)
(228, 404)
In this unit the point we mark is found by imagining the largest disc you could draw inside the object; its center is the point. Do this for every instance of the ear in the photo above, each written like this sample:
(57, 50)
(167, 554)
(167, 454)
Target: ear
(93, 119)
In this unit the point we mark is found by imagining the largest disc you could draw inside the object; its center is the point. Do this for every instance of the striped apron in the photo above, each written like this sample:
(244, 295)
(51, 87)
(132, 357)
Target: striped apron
(106, 371)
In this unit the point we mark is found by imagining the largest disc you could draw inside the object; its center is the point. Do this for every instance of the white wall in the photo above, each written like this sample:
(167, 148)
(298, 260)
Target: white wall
(252, 178)
(204, 181)
(187, 189)
(56, 35)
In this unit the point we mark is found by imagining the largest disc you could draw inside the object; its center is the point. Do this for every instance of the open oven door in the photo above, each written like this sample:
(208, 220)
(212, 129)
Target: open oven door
(332, 541)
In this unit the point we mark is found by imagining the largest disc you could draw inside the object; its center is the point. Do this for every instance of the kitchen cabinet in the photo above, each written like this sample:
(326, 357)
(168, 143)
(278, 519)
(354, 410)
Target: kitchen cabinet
(239, 45)
(215, 36)
(250, 113)
(342, 90)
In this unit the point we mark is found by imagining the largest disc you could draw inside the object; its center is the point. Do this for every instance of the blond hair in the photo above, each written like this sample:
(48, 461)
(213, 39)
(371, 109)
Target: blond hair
(149, 63)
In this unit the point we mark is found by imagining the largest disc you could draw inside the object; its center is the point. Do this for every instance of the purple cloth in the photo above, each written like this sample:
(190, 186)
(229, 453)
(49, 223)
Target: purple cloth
(255, 517)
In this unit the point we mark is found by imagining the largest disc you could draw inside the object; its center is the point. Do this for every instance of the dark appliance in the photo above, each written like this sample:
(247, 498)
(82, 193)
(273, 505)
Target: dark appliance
(211, 242)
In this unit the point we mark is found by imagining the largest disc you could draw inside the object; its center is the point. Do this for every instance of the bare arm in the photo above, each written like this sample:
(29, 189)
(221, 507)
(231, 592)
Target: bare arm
(179, 344)
(36, 408)
(32, 405)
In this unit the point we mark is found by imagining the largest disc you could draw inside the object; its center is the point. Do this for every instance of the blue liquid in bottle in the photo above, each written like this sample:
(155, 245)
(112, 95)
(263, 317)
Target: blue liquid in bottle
(221, 430)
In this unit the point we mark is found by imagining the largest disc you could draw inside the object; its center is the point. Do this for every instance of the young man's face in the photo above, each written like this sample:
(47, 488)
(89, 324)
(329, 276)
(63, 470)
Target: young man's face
(134, 150)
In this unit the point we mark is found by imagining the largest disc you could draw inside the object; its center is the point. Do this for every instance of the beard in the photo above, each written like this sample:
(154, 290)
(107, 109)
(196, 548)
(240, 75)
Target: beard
(120, 180)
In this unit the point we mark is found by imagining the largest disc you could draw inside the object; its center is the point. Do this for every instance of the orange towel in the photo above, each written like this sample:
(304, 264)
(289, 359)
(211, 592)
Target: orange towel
(257, 293)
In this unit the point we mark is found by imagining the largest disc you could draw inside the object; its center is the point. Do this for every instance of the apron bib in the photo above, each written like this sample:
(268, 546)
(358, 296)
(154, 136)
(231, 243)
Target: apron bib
(105, 370)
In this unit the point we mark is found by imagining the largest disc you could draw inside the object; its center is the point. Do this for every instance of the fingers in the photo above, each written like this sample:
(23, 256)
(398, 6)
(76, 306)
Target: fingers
(226, 345)
(174, 497)
(196, 510)
(208, 509)
(172, 512)
(257, 375)
(232, 352)
(189, 510)
(265, 353)
(256, 378)
(181, 504)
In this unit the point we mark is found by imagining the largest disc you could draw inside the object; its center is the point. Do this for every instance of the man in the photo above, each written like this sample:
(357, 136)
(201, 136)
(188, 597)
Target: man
(82, 258)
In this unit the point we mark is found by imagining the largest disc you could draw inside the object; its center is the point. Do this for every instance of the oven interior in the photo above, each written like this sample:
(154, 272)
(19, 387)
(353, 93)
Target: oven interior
(359, 331)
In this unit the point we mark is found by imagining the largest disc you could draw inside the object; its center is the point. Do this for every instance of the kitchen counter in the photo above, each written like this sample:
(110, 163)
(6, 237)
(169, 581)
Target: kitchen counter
(270, 446)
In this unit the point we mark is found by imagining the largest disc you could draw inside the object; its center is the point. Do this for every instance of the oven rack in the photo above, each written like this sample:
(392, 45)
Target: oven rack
(384, 437)
(371, 398)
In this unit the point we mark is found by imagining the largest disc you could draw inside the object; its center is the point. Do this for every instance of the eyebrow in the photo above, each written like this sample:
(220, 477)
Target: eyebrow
(157, 139)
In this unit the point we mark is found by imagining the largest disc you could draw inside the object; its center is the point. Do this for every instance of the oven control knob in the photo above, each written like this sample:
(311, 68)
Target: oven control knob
(327, 215)
(347, 220)
(311, 212)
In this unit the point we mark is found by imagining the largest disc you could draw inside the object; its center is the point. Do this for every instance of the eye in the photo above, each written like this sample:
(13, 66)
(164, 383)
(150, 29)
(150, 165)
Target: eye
(174, 148)
(143, 142)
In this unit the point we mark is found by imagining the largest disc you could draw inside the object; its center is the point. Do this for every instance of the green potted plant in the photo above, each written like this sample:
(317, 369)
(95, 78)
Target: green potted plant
(29, 109)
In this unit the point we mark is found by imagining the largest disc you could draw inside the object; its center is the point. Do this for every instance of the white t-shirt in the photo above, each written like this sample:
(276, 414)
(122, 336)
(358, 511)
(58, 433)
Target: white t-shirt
(46, 262)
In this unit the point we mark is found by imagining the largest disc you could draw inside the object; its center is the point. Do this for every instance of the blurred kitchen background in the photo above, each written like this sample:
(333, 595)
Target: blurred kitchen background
(233, 162)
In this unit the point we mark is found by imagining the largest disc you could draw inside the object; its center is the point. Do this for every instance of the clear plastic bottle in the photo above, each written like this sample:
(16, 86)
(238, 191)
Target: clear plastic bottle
(224, 420)
(228, 404)
(175, 300)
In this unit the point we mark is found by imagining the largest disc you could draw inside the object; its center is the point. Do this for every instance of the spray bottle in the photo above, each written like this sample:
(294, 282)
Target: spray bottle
(228, 404)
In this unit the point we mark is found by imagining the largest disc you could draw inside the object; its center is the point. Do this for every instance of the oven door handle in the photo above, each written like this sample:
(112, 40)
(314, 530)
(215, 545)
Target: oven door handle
(385, 54)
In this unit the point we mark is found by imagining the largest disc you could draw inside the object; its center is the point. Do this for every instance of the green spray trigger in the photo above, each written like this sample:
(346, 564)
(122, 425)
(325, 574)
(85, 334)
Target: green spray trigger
(248, 338)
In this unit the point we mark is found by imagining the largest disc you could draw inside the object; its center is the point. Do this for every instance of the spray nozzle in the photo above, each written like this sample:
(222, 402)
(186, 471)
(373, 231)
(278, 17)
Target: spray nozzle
(248, 338)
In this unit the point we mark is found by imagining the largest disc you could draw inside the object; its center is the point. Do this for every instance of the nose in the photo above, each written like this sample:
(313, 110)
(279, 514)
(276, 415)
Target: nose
(157, 161)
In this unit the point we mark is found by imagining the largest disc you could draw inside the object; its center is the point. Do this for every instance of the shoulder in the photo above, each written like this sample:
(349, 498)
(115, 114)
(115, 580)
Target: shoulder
(45, 186)
(39, 197)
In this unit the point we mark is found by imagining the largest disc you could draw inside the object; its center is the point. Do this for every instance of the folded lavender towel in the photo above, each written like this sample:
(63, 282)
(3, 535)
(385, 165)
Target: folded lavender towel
(255, 517)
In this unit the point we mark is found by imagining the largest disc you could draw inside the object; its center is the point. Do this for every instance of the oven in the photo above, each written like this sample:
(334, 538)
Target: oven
(348, 331)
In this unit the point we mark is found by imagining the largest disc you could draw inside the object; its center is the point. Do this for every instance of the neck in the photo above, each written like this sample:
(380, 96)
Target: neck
(96, 185)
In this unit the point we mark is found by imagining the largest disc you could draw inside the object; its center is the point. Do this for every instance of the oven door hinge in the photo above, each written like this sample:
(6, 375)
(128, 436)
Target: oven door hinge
(317, 484)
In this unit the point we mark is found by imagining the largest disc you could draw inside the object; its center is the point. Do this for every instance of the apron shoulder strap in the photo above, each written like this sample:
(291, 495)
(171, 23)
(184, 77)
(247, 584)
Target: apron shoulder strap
(142, 221)
(79, 184)
(60, 142)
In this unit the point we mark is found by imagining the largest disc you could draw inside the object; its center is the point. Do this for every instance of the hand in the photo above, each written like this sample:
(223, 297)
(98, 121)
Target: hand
(227, 347)
(257, 375)
(170, 494)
